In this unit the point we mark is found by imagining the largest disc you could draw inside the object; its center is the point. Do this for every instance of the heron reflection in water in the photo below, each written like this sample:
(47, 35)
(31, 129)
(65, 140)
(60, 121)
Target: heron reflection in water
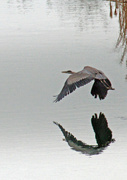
(103, 136)
(77, 79)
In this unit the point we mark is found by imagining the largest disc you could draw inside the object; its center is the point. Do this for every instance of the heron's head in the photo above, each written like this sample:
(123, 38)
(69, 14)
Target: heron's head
(68, 72)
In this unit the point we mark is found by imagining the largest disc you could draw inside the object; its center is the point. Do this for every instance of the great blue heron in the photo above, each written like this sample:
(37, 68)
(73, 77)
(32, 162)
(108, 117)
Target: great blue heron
(77, 79)
(103, 136)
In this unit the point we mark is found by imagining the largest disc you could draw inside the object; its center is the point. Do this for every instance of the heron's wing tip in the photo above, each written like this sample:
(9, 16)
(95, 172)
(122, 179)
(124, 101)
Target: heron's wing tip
(56, 100)
(55, 123)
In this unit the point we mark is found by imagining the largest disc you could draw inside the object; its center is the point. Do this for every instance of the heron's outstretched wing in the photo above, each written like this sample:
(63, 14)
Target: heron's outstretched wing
(71, 139)
(74, 81)
(78, 145)
(102, 132)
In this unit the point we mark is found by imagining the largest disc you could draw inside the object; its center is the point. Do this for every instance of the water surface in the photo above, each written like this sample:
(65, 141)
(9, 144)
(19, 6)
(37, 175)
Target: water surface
(39, 39)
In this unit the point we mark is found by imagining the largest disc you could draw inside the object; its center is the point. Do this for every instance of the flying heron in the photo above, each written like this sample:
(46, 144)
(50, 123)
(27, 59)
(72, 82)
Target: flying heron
(77, 79)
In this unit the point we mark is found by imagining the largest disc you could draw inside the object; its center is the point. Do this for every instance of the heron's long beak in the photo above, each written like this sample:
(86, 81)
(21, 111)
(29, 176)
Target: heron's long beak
(64, 71)
(68, 72)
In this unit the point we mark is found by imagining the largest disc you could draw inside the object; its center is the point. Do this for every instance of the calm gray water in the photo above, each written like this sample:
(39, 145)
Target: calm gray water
(39, 39)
